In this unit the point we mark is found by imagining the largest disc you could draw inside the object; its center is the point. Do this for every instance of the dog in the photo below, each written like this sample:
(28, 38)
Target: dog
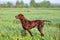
(28, 25)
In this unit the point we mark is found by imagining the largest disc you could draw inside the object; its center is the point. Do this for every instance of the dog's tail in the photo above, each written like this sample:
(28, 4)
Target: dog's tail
(46, 21)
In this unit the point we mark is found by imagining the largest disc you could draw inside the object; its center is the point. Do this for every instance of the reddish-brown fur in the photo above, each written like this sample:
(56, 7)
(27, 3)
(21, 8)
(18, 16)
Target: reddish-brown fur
(28, 25)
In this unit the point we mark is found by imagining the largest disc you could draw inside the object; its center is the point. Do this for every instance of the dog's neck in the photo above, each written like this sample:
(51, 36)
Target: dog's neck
(23, 20)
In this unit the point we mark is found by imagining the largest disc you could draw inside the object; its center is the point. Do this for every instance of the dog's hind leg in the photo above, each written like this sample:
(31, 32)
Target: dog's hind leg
(40, 27)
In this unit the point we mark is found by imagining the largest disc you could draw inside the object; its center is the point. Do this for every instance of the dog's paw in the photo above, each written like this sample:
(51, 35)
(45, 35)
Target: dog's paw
(42, 34)
(23, 34)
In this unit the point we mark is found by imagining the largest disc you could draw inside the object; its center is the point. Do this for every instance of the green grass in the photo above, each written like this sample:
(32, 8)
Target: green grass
(10, 27)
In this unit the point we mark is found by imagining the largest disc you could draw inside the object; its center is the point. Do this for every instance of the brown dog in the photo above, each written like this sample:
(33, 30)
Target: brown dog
(28, 25)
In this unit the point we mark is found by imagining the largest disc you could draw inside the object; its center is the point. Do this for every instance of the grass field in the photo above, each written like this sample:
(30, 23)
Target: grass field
(10, 27)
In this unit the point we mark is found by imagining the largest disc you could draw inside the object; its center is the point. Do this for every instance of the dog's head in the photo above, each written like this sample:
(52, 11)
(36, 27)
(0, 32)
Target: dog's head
(19, 16)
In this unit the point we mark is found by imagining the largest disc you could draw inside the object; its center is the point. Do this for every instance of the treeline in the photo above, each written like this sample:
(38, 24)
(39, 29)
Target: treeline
(21, 4)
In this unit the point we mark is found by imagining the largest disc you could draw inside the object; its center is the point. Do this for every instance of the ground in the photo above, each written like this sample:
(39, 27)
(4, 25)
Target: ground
(10, 27)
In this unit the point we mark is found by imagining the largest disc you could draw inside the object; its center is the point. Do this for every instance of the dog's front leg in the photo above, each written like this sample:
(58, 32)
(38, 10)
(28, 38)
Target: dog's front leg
(29, 32)
(24, 32)
(40, 27)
